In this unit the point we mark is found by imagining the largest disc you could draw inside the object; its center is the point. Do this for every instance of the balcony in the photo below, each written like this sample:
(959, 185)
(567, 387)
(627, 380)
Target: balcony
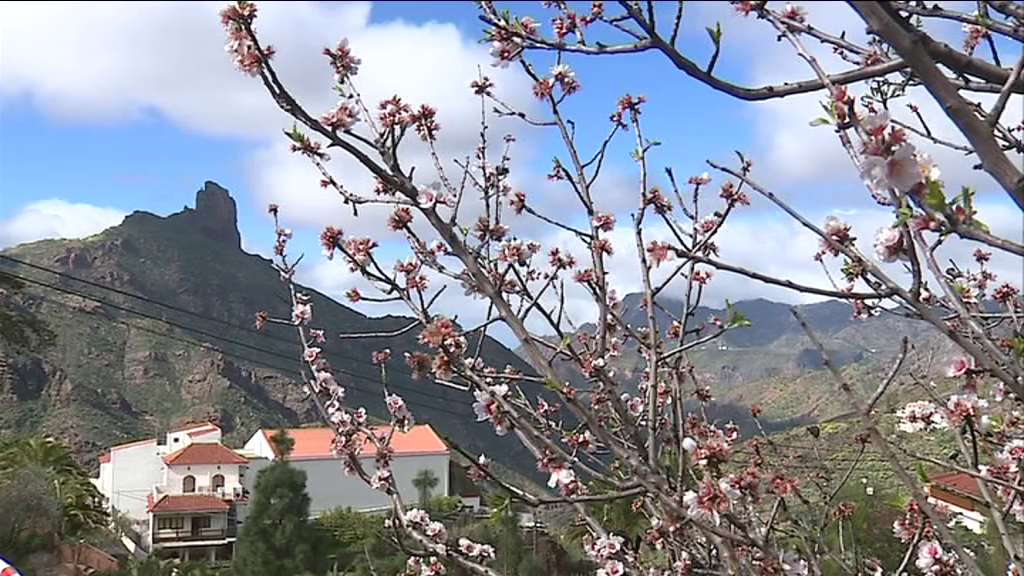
(193, 535)
(229, 492)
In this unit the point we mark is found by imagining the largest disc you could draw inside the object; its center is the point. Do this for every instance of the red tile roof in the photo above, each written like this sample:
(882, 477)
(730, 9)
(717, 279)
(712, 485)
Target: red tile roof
(187, 503)
(204, 453)
(315, 443)
(959, 483)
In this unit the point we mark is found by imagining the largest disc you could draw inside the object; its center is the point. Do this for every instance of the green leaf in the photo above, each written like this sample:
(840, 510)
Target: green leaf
(295, 135)
(735, 319)
(922, 474)
(502, 508)
(715, 34)
(903, 215)
(820, 122)
(1018, 347)
(934, 198)
(739, 321)
(829, 111)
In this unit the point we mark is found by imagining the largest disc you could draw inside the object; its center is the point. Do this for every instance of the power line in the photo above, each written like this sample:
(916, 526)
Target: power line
(175, 308)
(804, 466)
(776, 444)
(148, 300)
(236, 342)
(247, 329)
(221, 351)
(192, 329)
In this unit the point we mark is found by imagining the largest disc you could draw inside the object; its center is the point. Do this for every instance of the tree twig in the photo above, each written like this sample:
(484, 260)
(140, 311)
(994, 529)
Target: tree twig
(916, 48)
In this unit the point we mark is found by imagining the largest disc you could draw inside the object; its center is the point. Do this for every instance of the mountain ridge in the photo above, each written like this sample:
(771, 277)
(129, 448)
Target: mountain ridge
(127, 366)
(152, 322)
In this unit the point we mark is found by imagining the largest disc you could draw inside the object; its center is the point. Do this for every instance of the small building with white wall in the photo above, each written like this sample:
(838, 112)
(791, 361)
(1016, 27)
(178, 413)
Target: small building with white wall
(188, 497)
(961, 494)
(180, 497)
(326, 482)
(193, 513)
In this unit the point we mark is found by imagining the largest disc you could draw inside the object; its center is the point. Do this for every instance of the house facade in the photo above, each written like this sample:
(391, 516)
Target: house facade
(961, 494)
(326, 482)
(193, 514)
(188, 497)
(183, 498)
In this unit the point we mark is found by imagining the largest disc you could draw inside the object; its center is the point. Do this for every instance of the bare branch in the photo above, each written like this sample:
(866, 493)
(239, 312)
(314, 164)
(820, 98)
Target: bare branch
(917, 48)
(1004, 94)
(904, 345)
(868, 423)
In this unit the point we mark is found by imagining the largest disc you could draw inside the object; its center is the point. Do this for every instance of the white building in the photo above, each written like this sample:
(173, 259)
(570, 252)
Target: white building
(326, 482)
(182, 497)
(960, 493)
(188, 497)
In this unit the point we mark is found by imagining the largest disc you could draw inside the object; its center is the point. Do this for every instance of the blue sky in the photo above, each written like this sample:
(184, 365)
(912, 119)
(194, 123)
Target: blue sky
(151, 164)
(145, 107)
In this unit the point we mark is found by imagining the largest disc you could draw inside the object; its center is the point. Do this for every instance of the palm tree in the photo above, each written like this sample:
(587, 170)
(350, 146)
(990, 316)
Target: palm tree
(425, 482)
(81, 503)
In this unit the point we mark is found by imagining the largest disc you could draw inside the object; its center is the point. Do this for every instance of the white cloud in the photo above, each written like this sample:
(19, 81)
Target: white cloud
(168, 59)
(809, 163)
(772, 245)
(55, 218)
(134, 59)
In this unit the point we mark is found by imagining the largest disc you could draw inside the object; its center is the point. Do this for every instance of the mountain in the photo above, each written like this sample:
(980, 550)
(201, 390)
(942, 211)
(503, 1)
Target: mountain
(772, 363)
(158, 333)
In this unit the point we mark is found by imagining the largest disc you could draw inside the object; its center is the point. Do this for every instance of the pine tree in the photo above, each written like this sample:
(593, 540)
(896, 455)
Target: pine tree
(277, 537)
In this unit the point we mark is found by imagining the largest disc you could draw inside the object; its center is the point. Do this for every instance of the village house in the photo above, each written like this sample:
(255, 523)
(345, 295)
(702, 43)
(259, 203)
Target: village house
(188, 497)
(326, 482)
(193, 514)
(182, 498)
(960, 493)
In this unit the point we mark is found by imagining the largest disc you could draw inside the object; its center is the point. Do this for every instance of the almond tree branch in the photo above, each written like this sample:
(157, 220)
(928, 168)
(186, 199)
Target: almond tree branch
(783, 282)
(917, 49)
(994, 510)
(1007, 8)
(937, 12)
(868, 422)
(1008, 374)
(889, 377)
(1004, 94)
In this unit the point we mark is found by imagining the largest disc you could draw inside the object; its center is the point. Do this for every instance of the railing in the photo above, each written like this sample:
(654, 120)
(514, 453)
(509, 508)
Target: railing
(186, 535)
(232, 492)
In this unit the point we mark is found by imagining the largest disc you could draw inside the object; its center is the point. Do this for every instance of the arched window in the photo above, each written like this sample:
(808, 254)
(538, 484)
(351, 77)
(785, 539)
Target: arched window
(188, 484)
(217, 481)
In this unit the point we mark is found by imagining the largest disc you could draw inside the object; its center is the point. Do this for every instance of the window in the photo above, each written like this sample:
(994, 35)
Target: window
(188, 484)
(201, 522)
(217, 481)
(172, 523)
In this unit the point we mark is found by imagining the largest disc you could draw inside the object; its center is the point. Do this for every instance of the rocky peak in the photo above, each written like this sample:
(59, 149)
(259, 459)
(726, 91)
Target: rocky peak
(217, 215)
